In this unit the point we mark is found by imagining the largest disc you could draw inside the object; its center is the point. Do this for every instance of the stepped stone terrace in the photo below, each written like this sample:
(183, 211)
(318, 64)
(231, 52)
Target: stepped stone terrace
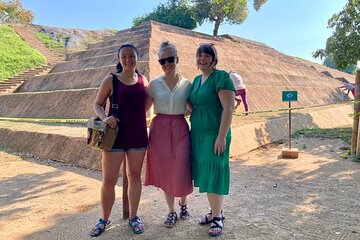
(69, 89)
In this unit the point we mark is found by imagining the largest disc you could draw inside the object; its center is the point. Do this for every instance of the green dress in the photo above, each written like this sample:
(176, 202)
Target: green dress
(210, 172)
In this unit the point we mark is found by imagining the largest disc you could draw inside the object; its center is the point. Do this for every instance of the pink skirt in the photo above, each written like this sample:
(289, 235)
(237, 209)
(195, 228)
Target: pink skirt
(168, 155)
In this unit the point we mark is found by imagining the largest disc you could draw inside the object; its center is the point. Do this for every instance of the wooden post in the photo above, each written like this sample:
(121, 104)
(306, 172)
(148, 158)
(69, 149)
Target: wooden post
(289, 125)
(125, 193)
(355, 146)
(290, 152)
(355, 131)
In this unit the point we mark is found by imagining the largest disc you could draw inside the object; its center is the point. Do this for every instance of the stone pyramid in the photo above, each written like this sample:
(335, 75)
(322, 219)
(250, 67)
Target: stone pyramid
(69, 90)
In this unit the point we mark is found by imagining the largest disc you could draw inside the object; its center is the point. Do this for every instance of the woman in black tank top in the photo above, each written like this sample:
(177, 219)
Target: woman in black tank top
(130, 85)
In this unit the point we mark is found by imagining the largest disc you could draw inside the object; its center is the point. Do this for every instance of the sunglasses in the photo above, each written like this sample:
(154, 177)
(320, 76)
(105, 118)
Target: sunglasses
(169, 60)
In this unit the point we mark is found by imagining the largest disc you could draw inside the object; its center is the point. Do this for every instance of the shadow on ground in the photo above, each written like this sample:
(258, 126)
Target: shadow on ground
(313, 197)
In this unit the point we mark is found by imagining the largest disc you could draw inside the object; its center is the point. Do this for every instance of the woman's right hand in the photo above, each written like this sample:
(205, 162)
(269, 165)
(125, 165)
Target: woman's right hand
(219, 146)
(111, 121)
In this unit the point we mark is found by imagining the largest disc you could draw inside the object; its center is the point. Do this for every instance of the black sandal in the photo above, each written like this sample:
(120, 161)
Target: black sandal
(171, 220)
(216, 221)
(205, 220)
(184, 213)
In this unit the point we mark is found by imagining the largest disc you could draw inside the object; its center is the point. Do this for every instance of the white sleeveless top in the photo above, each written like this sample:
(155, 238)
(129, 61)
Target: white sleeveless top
(167, 101)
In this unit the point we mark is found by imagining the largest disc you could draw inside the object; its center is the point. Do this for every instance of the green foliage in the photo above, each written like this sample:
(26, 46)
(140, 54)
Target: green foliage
(344, 134)
(346, 154)
(57, 42)
(332, 133)
(189, 13)
(13, 11)
(331, 64)
(219, 11)
(343, 45)
(176, 13)
(16, 55)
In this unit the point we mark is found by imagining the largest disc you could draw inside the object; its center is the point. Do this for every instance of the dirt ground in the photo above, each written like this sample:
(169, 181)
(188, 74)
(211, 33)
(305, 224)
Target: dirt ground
(316, 196)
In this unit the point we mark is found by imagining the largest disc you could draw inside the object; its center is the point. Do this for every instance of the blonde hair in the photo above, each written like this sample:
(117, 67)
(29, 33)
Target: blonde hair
(166, 45)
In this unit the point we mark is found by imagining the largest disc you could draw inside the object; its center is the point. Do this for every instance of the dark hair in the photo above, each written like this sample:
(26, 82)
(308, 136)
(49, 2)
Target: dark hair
(126, 45)
(208, 48)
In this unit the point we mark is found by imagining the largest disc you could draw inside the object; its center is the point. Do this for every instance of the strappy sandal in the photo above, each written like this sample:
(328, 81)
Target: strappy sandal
(184, 213)
(100, 227)
(216, 221)
(205, 220)
(171, 220)
(135, 225)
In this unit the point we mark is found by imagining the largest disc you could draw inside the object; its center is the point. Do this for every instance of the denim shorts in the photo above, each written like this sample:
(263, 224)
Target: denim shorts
(127, 149)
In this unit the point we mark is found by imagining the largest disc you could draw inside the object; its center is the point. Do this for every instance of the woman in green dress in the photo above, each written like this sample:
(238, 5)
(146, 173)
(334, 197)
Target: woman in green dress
(212, 101)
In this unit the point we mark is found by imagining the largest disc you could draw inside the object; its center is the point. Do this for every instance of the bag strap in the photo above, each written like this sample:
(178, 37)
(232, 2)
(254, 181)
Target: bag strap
(114, 106)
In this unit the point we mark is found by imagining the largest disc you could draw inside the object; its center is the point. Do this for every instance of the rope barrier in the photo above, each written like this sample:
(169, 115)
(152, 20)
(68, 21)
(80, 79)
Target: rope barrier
(70, 120)
(43, 120)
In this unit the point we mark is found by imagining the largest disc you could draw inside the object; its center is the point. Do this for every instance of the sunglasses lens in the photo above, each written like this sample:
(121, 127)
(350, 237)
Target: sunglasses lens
(164, 60)
(170, 59)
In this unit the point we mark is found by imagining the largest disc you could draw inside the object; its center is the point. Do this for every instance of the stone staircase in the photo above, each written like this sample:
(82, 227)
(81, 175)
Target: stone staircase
(11, 84)
(27, 33)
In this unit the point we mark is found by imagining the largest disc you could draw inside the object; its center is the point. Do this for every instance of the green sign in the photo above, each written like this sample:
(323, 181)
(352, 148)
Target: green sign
(289, 96)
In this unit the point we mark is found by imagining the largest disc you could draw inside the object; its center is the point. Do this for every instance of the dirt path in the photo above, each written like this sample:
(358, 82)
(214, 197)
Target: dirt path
(314, 197)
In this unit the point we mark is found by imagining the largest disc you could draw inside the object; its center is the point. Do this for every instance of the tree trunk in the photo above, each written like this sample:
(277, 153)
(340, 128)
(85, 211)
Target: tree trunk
(355, 145)
(216, 27)
(125, 193)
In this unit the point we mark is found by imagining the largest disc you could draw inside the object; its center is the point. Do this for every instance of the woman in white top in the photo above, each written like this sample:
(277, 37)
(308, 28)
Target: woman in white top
(168, 156)
(350, 87)
(240, 90)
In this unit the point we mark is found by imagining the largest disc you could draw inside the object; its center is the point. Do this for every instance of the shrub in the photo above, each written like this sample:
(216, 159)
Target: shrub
(49, 42)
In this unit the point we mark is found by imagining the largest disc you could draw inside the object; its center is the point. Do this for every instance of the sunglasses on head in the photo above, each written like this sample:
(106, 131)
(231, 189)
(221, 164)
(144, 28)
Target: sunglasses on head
(169, 60)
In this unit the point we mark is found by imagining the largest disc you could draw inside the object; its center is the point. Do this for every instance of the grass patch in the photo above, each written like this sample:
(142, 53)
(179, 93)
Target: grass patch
(344, 133)
(16, 55)
(331, 133)
(58, 41)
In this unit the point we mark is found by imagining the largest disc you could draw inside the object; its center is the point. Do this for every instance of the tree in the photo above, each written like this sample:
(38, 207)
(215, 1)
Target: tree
(14, 12)
(343, 45)
(174, 12)
(219, 11)
(331, 64)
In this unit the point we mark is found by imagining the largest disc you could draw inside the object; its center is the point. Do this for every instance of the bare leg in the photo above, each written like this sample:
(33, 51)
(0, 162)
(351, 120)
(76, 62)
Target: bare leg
(135, 159)
(216, 204)
(170, 200)
(111, 162)
(172, 215)
(183, 200)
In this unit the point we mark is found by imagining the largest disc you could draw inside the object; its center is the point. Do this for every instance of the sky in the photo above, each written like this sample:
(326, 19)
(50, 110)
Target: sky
(294, 27)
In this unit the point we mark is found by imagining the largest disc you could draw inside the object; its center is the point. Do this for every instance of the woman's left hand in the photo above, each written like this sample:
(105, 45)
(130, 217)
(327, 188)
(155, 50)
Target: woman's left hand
(220, 146)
